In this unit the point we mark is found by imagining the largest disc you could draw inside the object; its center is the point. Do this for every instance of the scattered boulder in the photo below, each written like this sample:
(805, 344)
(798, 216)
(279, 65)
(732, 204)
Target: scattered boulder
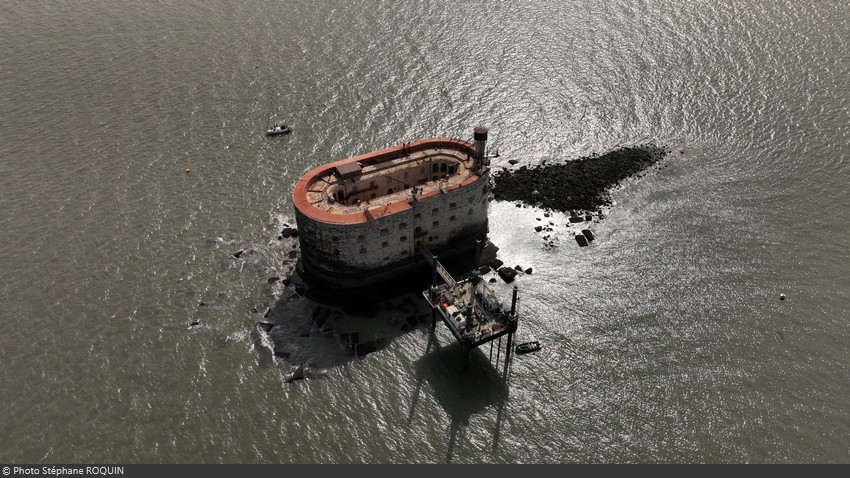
(238, 253)
(488, 256)
(289, 232)
(582, 241)
(538, 228)
(507, 274)
(588, 234)
(274, 279)
(296, 373)
(528, 271)
(265, 326)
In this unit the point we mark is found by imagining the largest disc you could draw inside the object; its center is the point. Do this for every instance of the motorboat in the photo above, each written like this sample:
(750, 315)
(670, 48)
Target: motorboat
(530, 346)
(278, 128)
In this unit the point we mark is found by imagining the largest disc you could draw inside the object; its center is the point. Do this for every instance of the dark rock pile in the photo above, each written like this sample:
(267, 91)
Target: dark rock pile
(581, 184)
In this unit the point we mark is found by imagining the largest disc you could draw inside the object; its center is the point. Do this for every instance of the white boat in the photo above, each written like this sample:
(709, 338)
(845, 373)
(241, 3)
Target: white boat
(530, 346)
(278, 128)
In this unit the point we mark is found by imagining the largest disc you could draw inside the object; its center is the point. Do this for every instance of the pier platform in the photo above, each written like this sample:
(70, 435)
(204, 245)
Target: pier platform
(470, 309)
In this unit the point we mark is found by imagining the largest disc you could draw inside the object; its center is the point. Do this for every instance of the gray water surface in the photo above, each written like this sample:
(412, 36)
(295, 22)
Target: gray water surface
(664, 341)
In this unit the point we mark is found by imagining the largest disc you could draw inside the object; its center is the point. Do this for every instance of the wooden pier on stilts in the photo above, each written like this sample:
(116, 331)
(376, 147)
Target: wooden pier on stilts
(469, 308)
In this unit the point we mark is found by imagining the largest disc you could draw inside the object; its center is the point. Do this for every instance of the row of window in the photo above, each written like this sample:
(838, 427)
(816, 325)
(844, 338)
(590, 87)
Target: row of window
(404, 252)
(402, 226)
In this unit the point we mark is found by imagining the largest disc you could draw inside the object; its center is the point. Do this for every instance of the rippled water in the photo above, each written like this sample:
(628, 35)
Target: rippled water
(664, 341)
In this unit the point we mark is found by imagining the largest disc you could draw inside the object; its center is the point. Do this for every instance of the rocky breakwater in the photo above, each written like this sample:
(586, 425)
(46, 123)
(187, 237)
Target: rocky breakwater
(577, 187)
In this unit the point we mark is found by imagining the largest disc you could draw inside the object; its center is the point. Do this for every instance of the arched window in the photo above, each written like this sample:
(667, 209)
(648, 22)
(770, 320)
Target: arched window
(389, 191)
(443, 167)
(435, 167)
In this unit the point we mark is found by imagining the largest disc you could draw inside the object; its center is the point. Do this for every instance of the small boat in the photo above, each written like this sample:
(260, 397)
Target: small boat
(530, 346)
(278, 128)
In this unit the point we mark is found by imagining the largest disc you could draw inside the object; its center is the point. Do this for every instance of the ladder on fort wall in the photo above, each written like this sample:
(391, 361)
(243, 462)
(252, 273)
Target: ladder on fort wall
(371, 219)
